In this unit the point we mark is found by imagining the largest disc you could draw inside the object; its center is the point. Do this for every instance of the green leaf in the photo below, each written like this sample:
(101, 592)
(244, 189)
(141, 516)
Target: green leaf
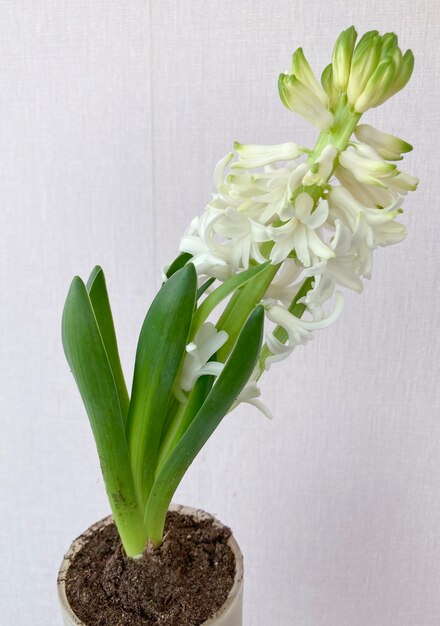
(97, 290)
(222, 292)
(178, 263)
(183, 417)
(160, 351)
(241, 304)
(223, 394)
(86, 354)
(206, 285)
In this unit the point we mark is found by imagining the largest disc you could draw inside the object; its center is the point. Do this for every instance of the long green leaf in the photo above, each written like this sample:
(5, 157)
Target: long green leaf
(182, 418)
(178, 263)
(160, 351)
(223, 394)
(86, 354)
(97, 288)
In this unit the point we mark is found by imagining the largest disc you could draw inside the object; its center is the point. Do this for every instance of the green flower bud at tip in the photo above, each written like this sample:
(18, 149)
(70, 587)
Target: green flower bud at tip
(403, 75)
(327, 84)
(389, 43)
(302, 99)
(303, 72)
(341, 58)
(376, 89)
(365, 60)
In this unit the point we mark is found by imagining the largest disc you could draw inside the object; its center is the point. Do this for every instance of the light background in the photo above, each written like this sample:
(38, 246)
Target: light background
(112, 116)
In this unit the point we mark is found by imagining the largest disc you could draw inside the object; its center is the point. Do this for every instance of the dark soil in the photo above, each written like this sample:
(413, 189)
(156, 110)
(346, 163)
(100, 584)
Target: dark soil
(182, 583)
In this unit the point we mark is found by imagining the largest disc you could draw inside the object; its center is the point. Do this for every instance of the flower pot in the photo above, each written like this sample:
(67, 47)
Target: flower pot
(229, 614)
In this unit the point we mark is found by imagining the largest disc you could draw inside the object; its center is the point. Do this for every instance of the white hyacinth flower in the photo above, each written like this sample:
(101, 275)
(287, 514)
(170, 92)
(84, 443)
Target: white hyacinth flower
(196, 362)
(209, 256)
(252, 156)
(280, 188)
(242, 238)
(366, 165)
(299, 233)
(260, 195)
(322, 168)
(371, 227)
(342, 269)
(388, 146)
(250, 395)
(299, 330)
(369, 195)
(303, 100)
(285, 284)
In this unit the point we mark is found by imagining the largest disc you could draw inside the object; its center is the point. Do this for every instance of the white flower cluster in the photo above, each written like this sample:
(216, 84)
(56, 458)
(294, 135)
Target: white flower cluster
(265, 207)
(317, 215)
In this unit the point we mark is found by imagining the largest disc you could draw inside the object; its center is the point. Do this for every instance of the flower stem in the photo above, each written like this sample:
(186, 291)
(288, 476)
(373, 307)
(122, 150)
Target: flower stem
(346, 120)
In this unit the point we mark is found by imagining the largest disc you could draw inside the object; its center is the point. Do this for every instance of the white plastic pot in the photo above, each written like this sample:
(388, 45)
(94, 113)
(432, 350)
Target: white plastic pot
(230, 614)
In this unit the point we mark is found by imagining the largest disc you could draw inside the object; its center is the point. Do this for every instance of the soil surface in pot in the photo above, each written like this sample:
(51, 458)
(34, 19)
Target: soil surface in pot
(182, 583)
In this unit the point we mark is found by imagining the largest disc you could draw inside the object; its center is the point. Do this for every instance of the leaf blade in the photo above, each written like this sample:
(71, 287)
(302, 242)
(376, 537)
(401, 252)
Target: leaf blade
(223, 394)
(88, 360)
(97, 289)
(160, 351)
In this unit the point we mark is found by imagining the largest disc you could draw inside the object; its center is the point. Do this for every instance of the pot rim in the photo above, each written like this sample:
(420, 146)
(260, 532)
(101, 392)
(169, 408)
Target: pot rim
(81, 541)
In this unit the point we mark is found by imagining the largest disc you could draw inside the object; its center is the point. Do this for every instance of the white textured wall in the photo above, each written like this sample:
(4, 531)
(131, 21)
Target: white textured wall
(112, 116)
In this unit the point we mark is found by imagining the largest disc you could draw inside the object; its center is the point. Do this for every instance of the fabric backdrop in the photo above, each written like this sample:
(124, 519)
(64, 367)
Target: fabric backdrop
(112, 116)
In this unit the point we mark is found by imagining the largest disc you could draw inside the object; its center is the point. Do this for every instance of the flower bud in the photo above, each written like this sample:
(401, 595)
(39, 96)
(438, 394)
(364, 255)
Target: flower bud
(299, 98)
(378, 71)
(329, 88)
(303, 72)
(365, 59)
(387, 146)
(341, 59)
(403, 75)
(251, 156)
(388, 45)
(377, 86)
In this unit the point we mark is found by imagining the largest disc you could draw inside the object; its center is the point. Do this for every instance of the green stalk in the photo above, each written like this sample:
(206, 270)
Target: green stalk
(346, 120)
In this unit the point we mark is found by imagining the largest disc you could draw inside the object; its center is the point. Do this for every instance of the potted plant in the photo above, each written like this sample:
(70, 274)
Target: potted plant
(286, 228)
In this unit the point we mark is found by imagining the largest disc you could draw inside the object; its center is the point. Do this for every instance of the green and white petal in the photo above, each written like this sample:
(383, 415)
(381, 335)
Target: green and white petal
(219, 170)
(366, 170)
(365, 59)
(375, 92)
(303, 72)
(250, 395)
(341, 58)
(251, 156)
(197, 362)
(299, 98)
(387, 146)
(321, 170)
